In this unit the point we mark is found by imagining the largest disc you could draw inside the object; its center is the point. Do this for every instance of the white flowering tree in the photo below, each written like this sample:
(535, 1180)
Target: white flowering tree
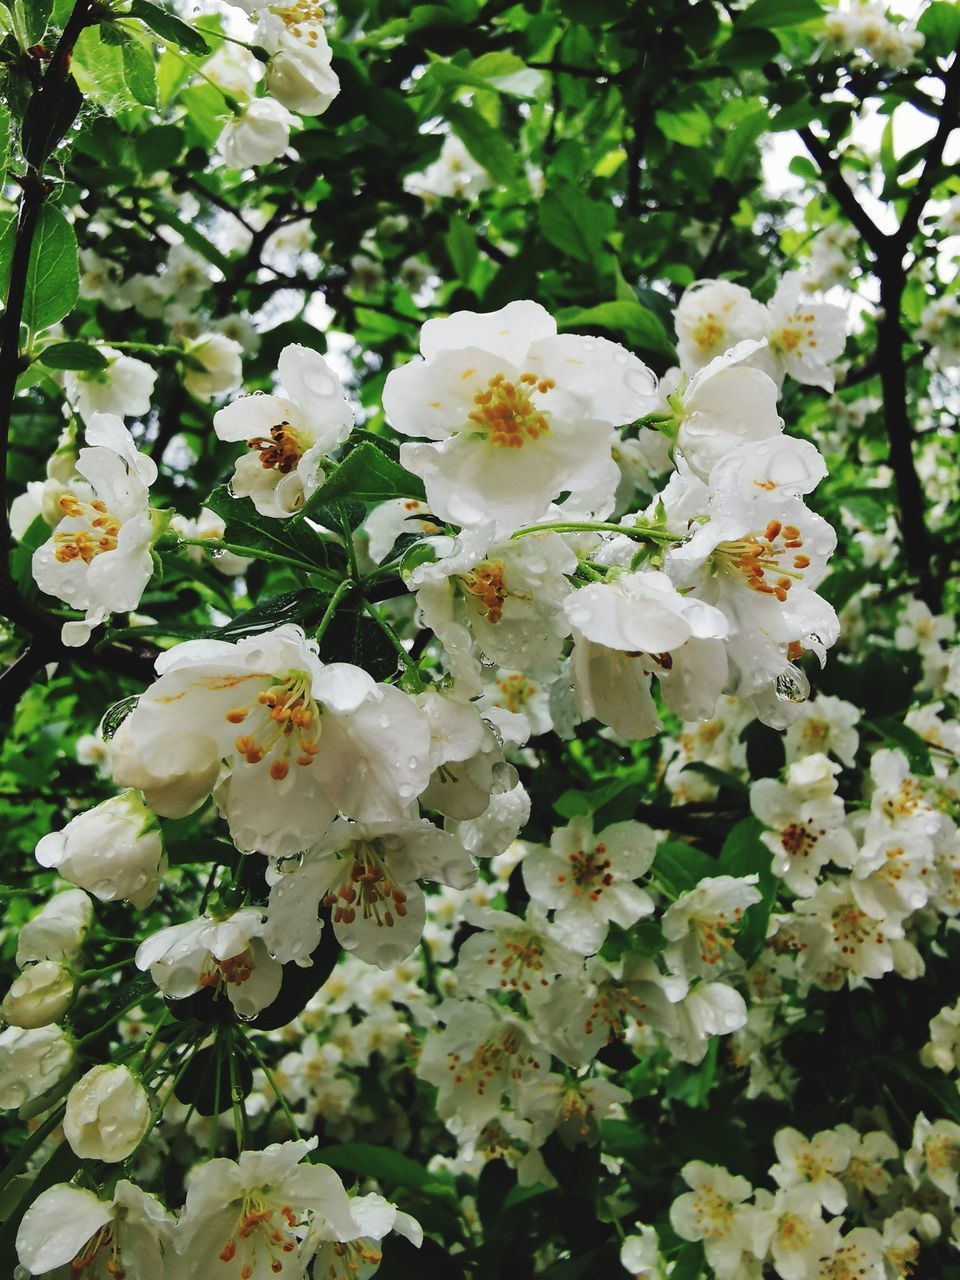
(480, 695)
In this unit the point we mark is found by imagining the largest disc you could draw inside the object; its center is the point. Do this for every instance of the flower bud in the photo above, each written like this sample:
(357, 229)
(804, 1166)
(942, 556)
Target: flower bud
(113, 851)
(32, 1062)
(108, 1113)
(57, 931)
(221, 370)
(41, 995)
(256, 136)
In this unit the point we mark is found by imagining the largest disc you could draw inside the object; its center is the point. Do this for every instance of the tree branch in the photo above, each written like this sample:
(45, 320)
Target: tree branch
(836, 184)
(949, 119)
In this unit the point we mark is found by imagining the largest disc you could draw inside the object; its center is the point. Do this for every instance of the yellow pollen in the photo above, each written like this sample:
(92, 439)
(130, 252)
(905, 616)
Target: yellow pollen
(485, 583)
(505, 413)
(280, 451)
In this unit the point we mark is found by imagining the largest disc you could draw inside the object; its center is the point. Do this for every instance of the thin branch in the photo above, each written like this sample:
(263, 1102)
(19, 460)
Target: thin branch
(929, 175)
(836, 184)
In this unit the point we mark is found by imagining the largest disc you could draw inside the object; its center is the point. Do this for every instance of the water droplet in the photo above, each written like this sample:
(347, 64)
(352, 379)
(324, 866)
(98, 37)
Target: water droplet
(384, 722)
(486, 662)
(792, 685)
(405, 791)
(230, 489)
(641, 381)
(245, 1017)
(115, 716)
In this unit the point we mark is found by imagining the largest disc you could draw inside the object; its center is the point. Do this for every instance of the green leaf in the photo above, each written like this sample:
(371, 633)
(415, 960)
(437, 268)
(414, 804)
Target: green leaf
(72, 355)
(97, 67)
(169, 27)
(461, 245)
(20, 561)
(4, 140)
(508, 73)
(741, 143)
(896, 734)
(641, 326)
(366, 475)
(745, 854)
(487, 145)
(353, 636)
(206, 1082)
(940, 26)
(53, 273)
(768, 14)
(575, 223)
(8, 236)
(691, 127)
(35, 15)
(257, 534)
(681, 867)
(388, 1167)
(140, 71)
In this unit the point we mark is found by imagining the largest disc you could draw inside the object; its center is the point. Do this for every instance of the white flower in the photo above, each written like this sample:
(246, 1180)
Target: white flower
(57, 931)
(943, 1049)
(816, 1162)
(113, 851)
(824, 724)
(572, 1109)
(919, 628)
(806, 823)
(858, 1253)
(32, 1061)
(454, 173)
(359, 1257)
(935, 1155)
(724, 405)
(790, 1228)
(631, 626)
(187, 275)
(209, 525)
(893, 875)
(515, 414)
(712, 317)
(588, 880)
(483, 1052)
(898, 802)
(869, 1152)
(299, 74)
(502, 599)
(838, 936)
(41, 995)
(758, 558)
(510, 954)
(805, 337)
(393, 518)
(301, 741)
(367, 875)
(107, 1114)
(123, 388)
(640, 1254)
(249, 1218)
(221, 367)
(224, 953)
(712, 1212)
(257, 135)
(288, 436)
(702, 924)
(98, 559)
(128, 1236)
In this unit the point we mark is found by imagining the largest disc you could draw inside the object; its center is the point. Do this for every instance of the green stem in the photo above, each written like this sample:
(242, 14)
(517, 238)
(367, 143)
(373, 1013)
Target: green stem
(345, 586)
(284, 1105)
(409, 663)
(254, 553)
(236, 1098)
(637, 531)
(148, 1044)
(348, 541)
(114, 1017)
(89, 975)
(32, 1144)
